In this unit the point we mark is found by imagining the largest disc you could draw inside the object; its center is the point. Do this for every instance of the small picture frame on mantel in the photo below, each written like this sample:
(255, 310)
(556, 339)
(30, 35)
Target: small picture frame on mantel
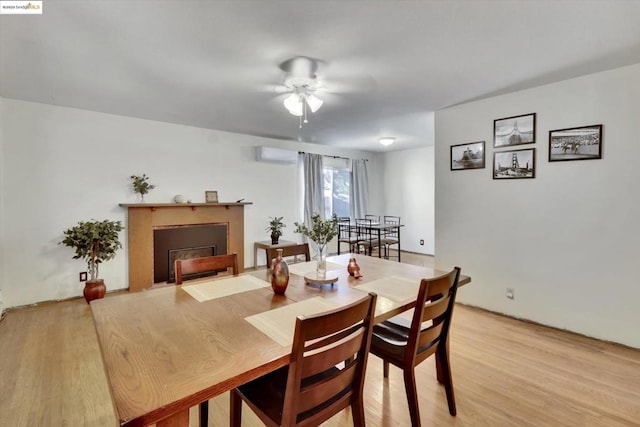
(211, 197)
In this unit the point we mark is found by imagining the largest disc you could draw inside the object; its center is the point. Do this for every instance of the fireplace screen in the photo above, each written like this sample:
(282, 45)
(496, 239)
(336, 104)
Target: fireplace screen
(189, 253)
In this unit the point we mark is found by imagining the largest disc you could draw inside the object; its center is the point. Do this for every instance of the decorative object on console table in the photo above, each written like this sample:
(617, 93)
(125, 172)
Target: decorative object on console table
(467, 156)
(275, 228)
(141, 185)
(320, 233)
(279, 274)
(95, 242)
(179, 198)
(211, 197)
(581, 143)
(514, 130)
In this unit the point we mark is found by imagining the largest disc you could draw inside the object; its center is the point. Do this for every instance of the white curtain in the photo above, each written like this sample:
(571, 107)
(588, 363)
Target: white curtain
(313, 186)
(359, 188)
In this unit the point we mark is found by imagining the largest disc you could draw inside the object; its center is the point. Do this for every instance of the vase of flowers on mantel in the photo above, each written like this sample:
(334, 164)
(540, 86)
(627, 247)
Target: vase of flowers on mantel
(141, 185)
(320, 233)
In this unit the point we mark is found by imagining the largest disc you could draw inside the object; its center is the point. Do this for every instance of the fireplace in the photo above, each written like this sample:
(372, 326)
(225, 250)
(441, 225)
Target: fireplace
(145, 218)
(185, 242)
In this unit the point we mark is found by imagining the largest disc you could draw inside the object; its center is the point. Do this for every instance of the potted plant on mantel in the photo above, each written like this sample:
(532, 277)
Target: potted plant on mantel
(275, 228)
(320, 233)
(141, 185)
(95, 242)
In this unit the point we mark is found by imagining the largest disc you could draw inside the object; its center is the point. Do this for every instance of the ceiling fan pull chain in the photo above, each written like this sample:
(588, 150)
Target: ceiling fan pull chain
(304, 105)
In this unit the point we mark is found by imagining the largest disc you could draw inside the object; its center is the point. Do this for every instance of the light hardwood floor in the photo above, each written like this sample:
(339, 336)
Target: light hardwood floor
(506, 373)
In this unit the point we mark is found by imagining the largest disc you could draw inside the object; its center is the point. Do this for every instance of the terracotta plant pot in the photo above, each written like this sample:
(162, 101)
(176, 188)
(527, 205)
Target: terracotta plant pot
(94, 290)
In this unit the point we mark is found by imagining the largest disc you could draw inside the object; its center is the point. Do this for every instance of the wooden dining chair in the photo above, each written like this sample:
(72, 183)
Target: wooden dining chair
(289, 251)
(202, 265)
(318, 383)
(205, 264)
(407, 347)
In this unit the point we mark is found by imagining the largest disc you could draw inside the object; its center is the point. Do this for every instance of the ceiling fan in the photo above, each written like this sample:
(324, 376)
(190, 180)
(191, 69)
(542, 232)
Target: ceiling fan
(302, 89)
(301, 83)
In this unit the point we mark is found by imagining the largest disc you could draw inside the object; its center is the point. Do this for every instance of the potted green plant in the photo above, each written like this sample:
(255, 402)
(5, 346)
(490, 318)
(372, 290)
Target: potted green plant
(275, 228)
(320, 233)
(95, 242)
(141, 185)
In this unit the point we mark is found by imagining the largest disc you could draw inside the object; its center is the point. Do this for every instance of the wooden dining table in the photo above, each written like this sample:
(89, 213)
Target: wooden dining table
(165, 351)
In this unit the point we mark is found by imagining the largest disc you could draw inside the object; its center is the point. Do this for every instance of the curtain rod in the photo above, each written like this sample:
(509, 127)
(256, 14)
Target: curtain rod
(333, 157)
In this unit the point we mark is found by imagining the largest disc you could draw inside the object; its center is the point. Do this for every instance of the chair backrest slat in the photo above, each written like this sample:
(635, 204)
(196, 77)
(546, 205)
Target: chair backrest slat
(288, 251)
(435, 309)
(205, 264)
(320, 362)
(430, 336)
(316, 385)
(322, 391)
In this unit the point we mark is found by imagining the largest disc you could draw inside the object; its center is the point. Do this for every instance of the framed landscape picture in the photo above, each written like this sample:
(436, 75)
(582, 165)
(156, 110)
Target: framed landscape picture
(583, 143)
(467, 156)
(514, 130)
(514, 164)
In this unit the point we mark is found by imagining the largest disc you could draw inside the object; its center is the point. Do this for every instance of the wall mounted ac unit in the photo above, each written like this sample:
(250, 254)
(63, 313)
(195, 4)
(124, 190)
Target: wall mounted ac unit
(276, 155)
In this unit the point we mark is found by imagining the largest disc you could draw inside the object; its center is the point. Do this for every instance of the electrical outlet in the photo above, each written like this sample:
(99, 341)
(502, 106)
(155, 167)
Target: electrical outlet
(421, 242)
(83, 276)
(510, 293)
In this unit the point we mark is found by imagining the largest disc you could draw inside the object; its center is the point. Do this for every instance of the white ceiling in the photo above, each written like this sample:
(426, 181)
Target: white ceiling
(214, 64)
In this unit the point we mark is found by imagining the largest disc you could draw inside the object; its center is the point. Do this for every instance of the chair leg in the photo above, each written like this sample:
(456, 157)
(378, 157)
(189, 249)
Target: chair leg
(447, 380)
(412, 396)
(204, 414)
(357, 412)
(235, 410)
(385, 369)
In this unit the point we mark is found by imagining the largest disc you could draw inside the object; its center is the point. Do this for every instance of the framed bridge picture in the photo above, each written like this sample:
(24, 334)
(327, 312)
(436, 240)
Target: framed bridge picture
(514, 164)
(514, 130)
(583, 143)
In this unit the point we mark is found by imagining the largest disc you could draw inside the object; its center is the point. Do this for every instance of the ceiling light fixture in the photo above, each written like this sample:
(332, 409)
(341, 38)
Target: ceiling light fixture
(302, 97)
(387, 140)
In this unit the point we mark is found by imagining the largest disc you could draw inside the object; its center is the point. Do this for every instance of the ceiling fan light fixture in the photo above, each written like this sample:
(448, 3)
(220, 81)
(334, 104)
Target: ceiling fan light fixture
(314, 102)
(387, 140)
(293, 104)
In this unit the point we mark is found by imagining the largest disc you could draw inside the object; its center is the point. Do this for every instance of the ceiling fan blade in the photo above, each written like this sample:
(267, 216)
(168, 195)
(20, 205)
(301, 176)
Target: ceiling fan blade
(349, 84)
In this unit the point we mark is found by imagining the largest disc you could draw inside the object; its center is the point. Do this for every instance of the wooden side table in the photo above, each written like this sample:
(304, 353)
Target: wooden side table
(266, 245)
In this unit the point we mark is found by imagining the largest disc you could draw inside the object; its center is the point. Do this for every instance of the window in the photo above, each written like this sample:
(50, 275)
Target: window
(337, 192)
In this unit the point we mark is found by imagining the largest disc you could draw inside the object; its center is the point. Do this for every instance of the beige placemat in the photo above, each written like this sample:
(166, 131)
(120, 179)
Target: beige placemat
(303, 268)
(279, 324)
(395, 288)
(224, 287)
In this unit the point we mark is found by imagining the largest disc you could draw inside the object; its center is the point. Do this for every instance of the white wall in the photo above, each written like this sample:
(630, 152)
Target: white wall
(409, 193)
(62, 165)
(2, 114)
(566, 241)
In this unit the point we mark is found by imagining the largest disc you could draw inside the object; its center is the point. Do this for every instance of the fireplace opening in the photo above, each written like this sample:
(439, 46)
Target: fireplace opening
(185, 242)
